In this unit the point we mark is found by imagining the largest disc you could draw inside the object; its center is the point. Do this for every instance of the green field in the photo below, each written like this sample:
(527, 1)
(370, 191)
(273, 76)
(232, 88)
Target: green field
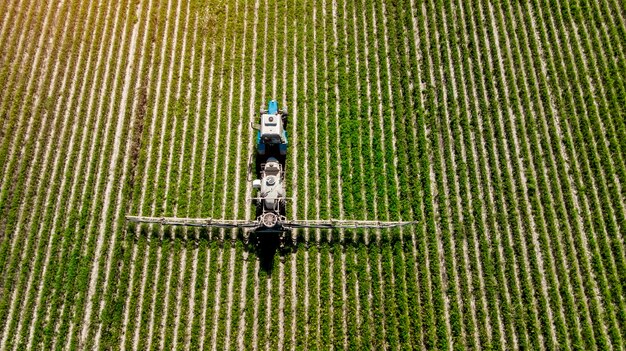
(500, 126)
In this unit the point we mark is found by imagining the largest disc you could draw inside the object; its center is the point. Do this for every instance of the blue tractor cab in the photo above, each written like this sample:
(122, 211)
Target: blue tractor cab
(271, 130)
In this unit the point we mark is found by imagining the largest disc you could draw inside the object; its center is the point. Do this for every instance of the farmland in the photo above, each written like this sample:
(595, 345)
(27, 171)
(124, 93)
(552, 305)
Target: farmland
(500, 126)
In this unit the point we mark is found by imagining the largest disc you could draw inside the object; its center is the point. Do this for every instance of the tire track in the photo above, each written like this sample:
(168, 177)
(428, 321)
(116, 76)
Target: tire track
(144, 187)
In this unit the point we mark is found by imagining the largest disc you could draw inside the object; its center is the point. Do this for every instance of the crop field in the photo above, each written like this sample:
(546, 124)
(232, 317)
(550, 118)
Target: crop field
(499, 126)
